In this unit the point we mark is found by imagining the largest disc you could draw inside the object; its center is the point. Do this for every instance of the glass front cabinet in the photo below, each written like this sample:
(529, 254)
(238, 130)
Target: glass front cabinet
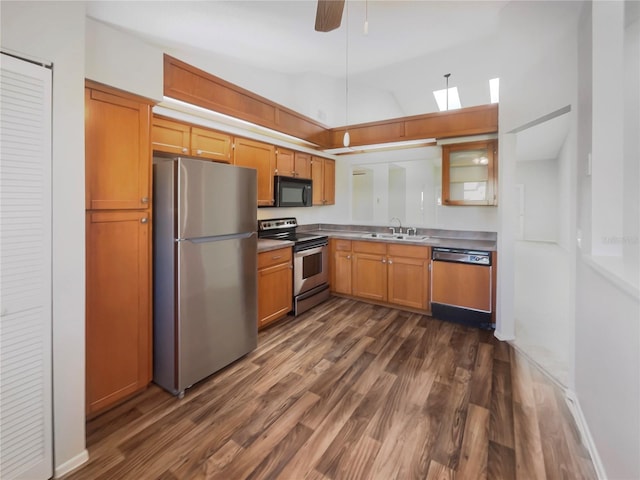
(469, 173)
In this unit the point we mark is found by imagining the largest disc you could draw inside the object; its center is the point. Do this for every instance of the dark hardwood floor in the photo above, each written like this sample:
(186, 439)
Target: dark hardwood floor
(351, 391)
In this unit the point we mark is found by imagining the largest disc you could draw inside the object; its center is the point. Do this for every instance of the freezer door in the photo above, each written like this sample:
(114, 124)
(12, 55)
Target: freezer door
(217, 295)
(215, 199)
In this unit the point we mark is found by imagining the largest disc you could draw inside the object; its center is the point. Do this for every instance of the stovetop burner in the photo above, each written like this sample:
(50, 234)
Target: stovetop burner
(286, 229)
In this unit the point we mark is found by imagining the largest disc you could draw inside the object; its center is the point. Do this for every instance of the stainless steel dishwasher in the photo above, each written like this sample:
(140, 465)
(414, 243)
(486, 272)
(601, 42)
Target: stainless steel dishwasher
(461, 286)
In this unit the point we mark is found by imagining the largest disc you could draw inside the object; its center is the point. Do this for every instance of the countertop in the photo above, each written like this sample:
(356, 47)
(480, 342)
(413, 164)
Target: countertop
(432, 241)
(443, 238)
(266, 244)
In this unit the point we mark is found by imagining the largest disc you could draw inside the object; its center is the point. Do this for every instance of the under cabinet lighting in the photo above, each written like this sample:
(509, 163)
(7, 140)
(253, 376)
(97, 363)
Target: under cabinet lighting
(441, 99)
(175, 105)
(425, 142)
(494, 89)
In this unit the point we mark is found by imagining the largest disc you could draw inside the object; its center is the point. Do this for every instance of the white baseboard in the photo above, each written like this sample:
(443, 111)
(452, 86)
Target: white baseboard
(576, 411)
(503, 338)
(581, 422)
(71, 464)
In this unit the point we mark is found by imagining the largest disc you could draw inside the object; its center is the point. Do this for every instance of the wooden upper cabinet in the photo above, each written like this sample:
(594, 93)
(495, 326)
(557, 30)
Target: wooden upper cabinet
(171, 137)
(323, 174)
(211, 145)
(303, 165)
(262, 157)
(117, 153)
(469, 173)
(175, 137)
(293, 164)
(329, 181)
(285, 162)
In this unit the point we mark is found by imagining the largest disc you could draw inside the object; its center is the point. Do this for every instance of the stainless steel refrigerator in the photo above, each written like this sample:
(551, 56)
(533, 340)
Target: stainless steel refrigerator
(205, 269)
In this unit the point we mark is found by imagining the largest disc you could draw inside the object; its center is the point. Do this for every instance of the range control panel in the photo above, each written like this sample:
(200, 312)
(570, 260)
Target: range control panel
(277, 223)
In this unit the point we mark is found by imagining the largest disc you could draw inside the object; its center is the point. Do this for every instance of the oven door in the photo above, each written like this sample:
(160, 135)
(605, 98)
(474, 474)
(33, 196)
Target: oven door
(310, 269)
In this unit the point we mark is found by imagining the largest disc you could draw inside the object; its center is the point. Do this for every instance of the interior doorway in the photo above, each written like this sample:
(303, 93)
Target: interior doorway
(543, 264)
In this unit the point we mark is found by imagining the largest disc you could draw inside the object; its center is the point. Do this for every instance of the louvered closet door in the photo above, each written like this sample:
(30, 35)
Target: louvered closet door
(25, 266)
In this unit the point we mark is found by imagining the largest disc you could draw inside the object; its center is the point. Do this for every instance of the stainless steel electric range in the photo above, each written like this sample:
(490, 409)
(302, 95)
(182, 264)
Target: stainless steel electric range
(310, 261)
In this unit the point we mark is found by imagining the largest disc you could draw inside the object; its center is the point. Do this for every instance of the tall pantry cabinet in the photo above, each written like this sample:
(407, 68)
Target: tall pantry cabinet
(118, 246)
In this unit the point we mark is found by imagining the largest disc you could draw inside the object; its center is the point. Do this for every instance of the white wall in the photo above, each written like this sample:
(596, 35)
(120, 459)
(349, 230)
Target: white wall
(607, 370)
(536, 78)
(120, 60)
(540, 180)
(54, 31)
(566, 189)
(607, 363)
(362, 199)
(423, 174)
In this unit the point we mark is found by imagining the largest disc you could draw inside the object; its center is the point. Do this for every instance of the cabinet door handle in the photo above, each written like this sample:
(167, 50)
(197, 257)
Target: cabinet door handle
(144, 199)
(275, 257)
(144, 220)
(198, 152)
(290, 266)
(384, 260)
(185, 150)
(348, 257)
(390, 262)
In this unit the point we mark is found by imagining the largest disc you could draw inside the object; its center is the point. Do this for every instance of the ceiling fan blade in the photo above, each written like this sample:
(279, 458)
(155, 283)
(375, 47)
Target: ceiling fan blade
(329, 15)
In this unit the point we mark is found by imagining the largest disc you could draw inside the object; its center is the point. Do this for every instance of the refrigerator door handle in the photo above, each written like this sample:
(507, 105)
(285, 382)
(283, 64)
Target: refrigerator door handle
(218, 238)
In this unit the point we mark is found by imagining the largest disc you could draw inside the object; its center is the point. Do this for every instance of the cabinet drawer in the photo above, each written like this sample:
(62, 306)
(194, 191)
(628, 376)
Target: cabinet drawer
(370, 247)
(413, 251)
(274, 257)
(342, 245)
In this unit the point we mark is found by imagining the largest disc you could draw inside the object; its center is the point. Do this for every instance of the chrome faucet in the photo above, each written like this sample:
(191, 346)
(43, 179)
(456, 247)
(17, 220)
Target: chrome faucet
(411, 229)
(399, 225)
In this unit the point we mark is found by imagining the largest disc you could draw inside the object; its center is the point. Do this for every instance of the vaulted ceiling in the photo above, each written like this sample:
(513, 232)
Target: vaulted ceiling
(392, 70)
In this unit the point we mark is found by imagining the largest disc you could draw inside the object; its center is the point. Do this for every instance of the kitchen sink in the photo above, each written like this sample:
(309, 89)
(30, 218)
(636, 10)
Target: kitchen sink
(397, 236)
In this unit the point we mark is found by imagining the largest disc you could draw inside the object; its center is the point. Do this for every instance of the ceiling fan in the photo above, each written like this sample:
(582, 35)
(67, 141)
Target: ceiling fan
(329, 15)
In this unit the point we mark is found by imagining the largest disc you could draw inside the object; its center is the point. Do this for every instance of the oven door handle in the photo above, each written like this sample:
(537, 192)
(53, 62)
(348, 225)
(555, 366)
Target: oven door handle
(309, 251)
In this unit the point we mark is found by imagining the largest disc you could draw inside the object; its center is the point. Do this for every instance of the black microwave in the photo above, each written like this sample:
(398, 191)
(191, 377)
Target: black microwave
(291, 192)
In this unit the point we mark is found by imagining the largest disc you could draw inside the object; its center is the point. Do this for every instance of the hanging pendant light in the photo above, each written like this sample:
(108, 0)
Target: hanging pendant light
(366, 17)
(346, 140)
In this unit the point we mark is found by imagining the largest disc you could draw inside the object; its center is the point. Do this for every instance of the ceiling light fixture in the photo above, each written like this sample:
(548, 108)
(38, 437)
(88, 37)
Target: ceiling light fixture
(346, 140)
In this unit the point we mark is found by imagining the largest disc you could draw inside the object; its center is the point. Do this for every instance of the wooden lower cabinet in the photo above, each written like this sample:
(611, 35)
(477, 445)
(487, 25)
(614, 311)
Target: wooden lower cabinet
(369, 274)
(384, 272)
(118, 309)
(341, 266)
(275, 285)
(408, 275)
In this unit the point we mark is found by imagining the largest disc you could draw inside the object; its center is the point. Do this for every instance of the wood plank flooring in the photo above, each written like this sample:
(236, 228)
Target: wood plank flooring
(350, 391)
